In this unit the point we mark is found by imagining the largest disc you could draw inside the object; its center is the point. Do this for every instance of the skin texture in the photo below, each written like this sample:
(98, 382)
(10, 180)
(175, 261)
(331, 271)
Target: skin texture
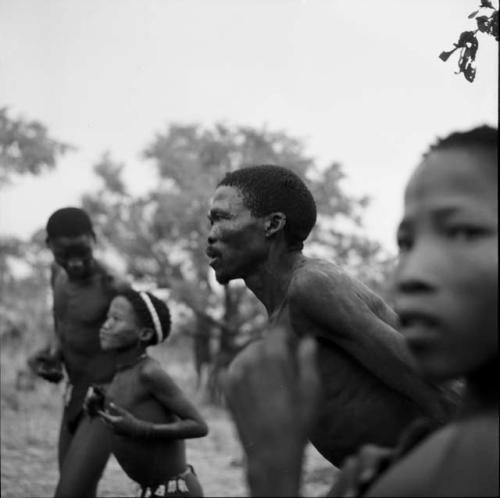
(369, 390)
(82, 290)
(149, 415)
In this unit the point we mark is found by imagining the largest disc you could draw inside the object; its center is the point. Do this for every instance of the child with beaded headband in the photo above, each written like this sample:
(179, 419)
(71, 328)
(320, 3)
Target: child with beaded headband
(149, 415)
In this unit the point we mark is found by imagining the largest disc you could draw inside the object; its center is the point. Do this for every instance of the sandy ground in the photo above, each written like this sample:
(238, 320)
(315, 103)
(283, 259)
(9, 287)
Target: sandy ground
(29, 427)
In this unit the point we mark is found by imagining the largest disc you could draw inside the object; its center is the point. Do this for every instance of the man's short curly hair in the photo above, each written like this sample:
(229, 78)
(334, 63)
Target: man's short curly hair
(69, 222)
(144, 316)
(269, 188)
(482, 137)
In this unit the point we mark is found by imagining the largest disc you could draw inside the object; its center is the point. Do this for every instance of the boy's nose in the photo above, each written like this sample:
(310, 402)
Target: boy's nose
(75, 264)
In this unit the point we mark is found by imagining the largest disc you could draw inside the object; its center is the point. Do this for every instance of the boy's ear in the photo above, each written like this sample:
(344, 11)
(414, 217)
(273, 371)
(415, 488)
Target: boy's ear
(274, 222)
(146, 334)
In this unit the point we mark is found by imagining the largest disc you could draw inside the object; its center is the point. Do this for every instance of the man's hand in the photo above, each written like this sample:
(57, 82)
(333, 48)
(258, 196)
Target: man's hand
(124, 423)
(272, 392)
(47, 364)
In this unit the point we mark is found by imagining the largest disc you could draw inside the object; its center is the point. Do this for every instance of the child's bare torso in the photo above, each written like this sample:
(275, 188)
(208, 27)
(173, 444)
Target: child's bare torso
(147, 462)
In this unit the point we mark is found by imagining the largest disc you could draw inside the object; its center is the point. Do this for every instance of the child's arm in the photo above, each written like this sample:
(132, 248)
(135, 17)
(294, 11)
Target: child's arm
(163, 388)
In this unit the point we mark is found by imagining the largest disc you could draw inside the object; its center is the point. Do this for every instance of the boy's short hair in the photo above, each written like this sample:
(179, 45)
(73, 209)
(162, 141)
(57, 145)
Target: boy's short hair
(482, 137)
(69, 222)
(157, 318)
(269, 188)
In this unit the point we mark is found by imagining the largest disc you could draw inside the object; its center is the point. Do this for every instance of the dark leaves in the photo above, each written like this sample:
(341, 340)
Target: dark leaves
(444, 56)
(483, 24)
(486, 4)
(468, 42)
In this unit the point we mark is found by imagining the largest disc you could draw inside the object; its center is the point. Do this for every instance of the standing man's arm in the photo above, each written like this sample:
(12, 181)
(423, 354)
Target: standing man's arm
(344, 318)
(47, 362)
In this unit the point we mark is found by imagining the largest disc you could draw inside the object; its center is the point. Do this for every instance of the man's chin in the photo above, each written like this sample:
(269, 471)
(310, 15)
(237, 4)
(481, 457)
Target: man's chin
(222, 278)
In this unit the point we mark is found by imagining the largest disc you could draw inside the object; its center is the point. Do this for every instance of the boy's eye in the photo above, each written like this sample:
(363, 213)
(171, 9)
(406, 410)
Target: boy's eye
(464, 233)
(404, 242)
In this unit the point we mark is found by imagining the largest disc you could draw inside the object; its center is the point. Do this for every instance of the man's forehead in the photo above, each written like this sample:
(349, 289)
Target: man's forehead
(79, 241)
(227, 198)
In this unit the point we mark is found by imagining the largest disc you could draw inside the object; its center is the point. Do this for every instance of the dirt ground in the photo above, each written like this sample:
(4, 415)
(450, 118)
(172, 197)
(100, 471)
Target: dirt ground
(30, 414)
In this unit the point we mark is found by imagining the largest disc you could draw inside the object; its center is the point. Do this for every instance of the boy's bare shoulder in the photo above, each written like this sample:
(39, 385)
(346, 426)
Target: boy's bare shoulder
(151, 372)
(446, 463)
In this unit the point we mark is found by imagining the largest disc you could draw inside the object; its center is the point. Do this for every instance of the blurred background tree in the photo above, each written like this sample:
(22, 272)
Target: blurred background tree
(26, 148)
(161, 235)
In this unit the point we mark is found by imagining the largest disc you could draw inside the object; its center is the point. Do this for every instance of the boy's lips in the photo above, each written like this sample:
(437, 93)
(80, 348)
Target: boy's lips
(417, 324)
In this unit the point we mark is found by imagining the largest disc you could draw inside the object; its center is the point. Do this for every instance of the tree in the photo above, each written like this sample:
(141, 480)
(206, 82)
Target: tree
(162, 234)
(26, 147)
(468, 42)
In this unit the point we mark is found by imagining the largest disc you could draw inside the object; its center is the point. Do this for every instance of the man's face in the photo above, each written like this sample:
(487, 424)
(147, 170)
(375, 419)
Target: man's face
(74, 254)
(120, 330)
(236, 241)
(447, 275)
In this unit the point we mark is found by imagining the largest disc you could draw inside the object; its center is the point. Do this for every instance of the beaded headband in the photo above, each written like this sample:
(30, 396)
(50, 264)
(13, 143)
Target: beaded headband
(154, 316)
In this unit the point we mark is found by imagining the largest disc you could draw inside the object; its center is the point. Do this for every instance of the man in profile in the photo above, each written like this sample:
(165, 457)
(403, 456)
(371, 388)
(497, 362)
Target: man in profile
(260, 217)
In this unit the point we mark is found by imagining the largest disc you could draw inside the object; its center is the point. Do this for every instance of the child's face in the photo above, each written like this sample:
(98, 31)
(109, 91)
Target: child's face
(447, 275)
(120, 330)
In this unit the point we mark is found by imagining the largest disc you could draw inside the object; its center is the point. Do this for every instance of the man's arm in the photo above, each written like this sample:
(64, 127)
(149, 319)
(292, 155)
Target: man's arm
(273, 399)
(339, 315)
(47, 362)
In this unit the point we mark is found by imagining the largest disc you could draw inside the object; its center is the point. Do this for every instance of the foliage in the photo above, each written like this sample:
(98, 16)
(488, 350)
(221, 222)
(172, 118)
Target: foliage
(161, 235)
(25, 319)
(468, 42)
(26, 147)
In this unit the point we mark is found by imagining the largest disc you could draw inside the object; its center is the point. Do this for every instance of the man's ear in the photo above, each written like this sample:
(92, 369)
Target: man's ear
(274, 222)
(146, 334)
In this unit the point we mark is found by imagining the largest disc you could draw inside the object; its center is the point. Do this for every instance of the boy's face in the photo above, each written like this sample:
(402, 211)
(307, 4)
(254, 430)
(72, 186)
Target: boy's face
(74, 254)
(120, 330)
(236, 241)
(447, 275)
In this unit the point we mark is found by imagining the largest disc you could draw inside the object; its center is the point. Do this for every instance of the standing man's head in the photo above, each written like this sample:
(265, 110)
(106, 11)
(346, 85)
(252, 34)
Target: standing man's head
(71, 239)
(253, 208)
(447, 276)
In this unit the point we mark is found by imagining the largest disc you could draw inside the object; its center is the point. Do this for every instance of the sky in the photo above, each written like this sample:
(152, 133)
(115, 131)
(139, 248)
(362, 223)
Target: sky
(360, 82)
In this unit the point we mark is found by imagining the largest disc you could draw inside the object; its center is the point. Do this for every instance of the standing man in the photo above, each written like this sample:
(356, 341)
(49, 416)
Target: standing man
(260, 217)
(82, 291)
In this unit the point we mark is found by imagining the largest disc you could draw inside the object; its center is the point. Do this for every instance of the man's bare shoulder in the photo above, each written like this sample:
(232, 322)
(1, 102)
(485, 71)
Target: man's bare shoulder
(316, 274)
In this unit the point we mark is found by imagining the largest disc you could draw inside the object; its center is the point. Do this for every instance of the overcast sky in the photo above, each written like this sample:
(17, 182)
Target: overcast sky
(359, 81)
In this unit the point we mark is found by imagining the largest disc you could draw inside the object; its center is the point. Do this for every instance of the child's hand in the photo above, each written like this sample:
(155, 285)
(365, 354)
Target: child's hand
(124, 423)
(94, 401)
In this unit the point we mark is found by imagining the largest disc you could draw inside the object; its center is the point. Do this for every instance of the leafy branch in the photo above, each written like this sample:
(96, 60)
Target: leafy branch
(468, 42)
